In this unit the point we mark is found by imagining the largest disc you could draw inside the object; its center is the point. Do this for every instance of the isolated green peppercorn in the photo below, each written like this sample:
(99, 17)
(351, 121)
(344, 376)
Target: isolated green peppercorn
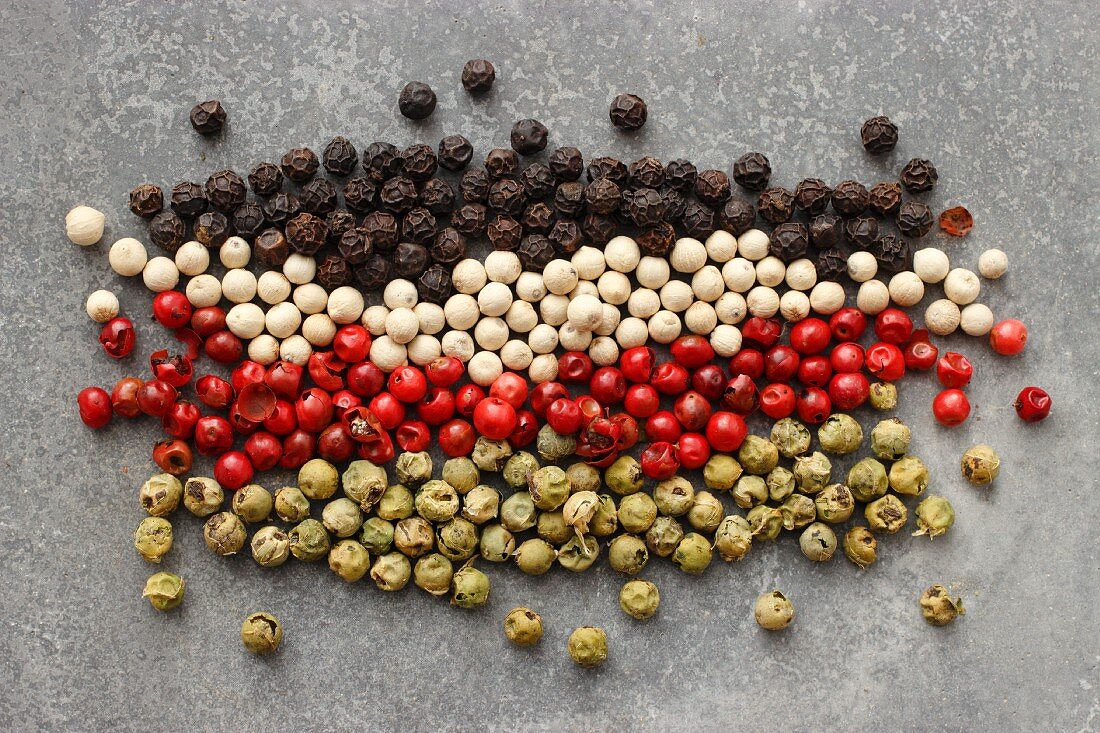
(309, 541)
(160, 494)
(535, 556)
(553, 447)
(624, 476)
(391, 572)
(164, 591)
(224, 533)
(291, 505)
(470, 588)
(342, 517)
(693, 554)
(818, 542)
(436, 501)
(790, 437)
(518, 512)
(733, 538)
(721, 472)
(413, 536)
(270, 546)
(605, 520)
(202, 496)
(627, 554)
(433, 573)
(750, 491)
(674, 496)
(757, 455)
(583, 477)
(766, 522)
(887, 514)
(867, 480)
(377, 536)
(153, 538)
(639, 599)
(664, 536)
(797, 510)
(252, 503)
(523, 627)
(860, 546)
(396, 503)
(413, 468)
(883, 396)
(491, 455)
(579, 555)
(462, 474)
(261, 633)
(349, 560)
(812, 472)
(551, 527)
(840, 434)
(909, 476)
(549, 487)
(637, 512)
(457, 539)
(834, 504)
(938, 607)
(781, 483)
(980, 465)
(588, 646)
(773, 611)
(518, 469)
(318, 479)
(363, 482)
(935, 515)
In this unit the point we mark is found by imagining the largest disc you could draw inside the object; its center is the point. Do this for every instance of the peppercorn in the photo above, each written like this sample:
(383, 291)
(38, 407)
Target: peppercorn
(374, 273)
(609, 168)
(271, 248)
(382, 161)
(712, 187)
(598, 228)
(827, 231)
(355, 246)
(333, 272)
(775, 205)
(674, 205)
(566, 236)
(884, 198)
(420, 162)
(528, 136)
(501, 163)
(306, 233)
(812, 196)
(318, 197)
(938, 607)
(398, 194)
(208, 118)
(281, 208)
(878, 135)
(381, 229)
(449, 247)
(419, 225)
(168, 231)
(698, 220)
(657, 241)
(434, 285)
(914, 219)
(212, 229)
(751, 171)
(789, 241)
(478, 76)
(437, 196)
(645, 207)
(861, 231)
(566, 164)
(680, 175)
(470, 220)
(338, 222)
(569, 198)
(535, 252)
(538, 217)
(188, 199)
(893, 253)
(410, 259)
(647, 172)
(918, 175)
(832, 265)
(850, 198)
(265, 179)
(248, 219)
(416, 101)
(628, 112)
(474, 186)
(505, 233)
(299, 164)
(146, 200)
(507, 196)
(603, 196)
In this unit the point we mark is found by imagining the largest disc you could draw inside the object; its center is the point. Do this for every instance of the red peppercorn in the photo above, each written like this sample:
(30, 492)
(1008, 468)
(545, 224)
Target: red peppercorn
(389, 410)
(726, 431)
(208, 321)
(124, 400)
(848, 390)
(740, 395)
(445, 371)
(641, 400)
(223, 347)
(510, 387)
(1033, 404)
(886, 362)
(437, 407)
(298, 448)
(893, 326)
(814, 371)
(761, 333)
(810, 336)
(608, 386)
(118, 337)
(380, 451)
(326, 370)
(213, 435)
(285, 378)
(233, 470)
(749, 362)
(241, 424)
(544, 395)
(366, 380)
(335, 443)
(180, 420)
(660, 460)
(777, 400)
(954, 370)
(314, 410)
(264, 450)
(780, 363)
(494, 418)
(663, 426)
(175, 369)
(629, 430)
(846, 357)
(670, 378)
(526, 430)
(693, 450)
(256, 402)
(213, 391)
(283, 420)
(173, 456)
(467, 397)
(564, 416)
(155, 397)
(574, 366)
(246, 373)
(848, 324)
(590, 408)
(691, 351)
(1008, 338)
(637, 363)
(920, 355)
(342, 401)
(457, 438)
(364, 425)
(692, 410)
(413, 435)
(408, 384)
(172, 309)
(710, 381)
(951, 407)
(351, 343)
(94, 405)
(813, 406)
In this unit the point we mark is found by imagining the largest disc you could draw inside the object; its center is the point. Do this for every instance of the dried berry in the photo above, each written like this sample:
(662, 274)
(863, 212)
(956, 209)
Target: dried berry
(249, 219)
(471, 220)
(212, 229)
(299, 164)
(281, 208)
(501, 163)
(832, 264)
(597, 228)
(775, 205)
(681, 175)
(416, 101)
(333, 272)
(359, 195)
(265, 179)
(789, 241)
(374, 273)
(628, 112)
(420, 162)
(879, 135)
(566, 236)
(474, 186)
(646, 172)
(956, 221)
(752, 171)
(812, 196)
(884, 198)
(850, 198)
(271, 248)
(355, 246)
(397, 195)
(318, 197)
(478, 76)
(698, 220)
(657, 241)
(645, 207)
(340, 156)
(146, 200)
(381, 227)
(306, 233)
(529, 136)
(434, 285)
(569, 199)
(893, 253)
(208, 118)
(437, 196)
(736, 216)
(605, 167)
(410, 259)
(418, 225)
(918, 175)
(538, 181)
(914, 219)
(382, 161)
(449, 247)
(168, 231)
(603, 196)
(188, 199)
(712, 187)
(455, 152)
(861, 231)
(827, 231)
(507, 196)
(535, 252)
(537, 217)
(338, 222)
(505, 233)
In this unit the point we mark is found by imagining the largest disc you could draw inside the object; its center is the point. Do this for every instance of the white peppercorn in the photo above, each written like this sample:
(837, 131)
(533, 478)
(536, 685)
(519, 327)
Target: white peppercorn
(962, 286)
(245, 320)
(239, 286)
(632, 332)
(84, 225)
(560, 276)
(873, 297)
(402, 325)
(721, 246)
(461, 311)
(862, 266)
(494, 299)
(387, 354)
(431, 317)
(906, 289)
(676, 296)
(272, 287)
(584, 312)
(589, 263)
(554, 309)
(543, 338)
(102, 306)
(614, 287)
(700, 318)
(423, 349)
(622, 254)
(128, 257)
(282, 320)
(976, 319)
(484, 367)
(731, 308)
(707, 283)
(204, 290)
(299, 268)
(491, 333)
(643, 303)
(234, 253)
(942, 317)
(827, 298)
(319, 329)
(345, 304)
(609, 320)
(930, 264)
(469, 276)
(770, 271)
(310, 298)
(516, 355)
(399, 293)
(652, 272)
(296, 350)
(664, 327)
(544, 368)
(801, 274)
(992, 263)
(192, 258)
(264, 349)
(687, 255)
(572, 338)
(503, 267)
(521, 317)
(725, 339)
(585, 287)
(739, 275)
(763, 302)
(753, 244)
(794, 306)
(531, 287)
(160, 274)
(458, 344)
(374, 319)
(603, 351)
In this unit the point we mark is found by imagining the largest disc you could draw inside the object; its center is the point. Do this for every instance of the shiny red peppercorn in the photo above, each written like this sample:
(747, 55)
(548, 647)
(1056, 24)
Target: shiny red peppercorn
(208, 321)
(574, 366)
(630, 432)
(94, 405)
(951, 407)
(893, 326)
(726, 431)
(180, 420)
(408, 384)
(526, 430)
(314, 410)
(663, 426)
(590, 408)
(641, 400)
(213, 391)
(670, 378)
(264, 450)
(351, 343)
(564, 416)
(810, 336)
(457, 438)
(118, 337)
(846, 357)
(710, 381)
(389, 410)
(761, 333)
(510, 387)
(365, 379)
(544, 395)
(494, 418)
(920, 355)
(660, 460)
(693, 450)
(1033, 404)
(124, 400)
(241, 424)
(343, 400)
(245, 373)
(780, 363)
(692, 410)
(637, 363)
(437, 407)
(740, 395)
(413, 436)
(749, 362)
(326, 370)
(213, 435)
(155, 397)
(335, 443)
(848, 324)
(172, 309)
(813, 406)
(283, 420)
(380, 451)
(466, 399)
(223, 347)
(814, 371)
(954, 370)
(1008, 338)
(886, 362)
(285, 378)
(691, 351)
(608, 386)
(233, 470)
(173, 456)
(444, 371)
(777, 400)
(848, 390)
(298, 448)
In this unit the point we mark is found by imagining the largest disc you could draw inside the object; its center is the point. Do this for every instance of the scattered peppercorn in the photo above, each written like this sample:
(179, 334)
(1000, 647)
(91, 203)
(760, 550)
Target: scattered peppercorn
(884, 198)
(281, 208)
(188, 199)
(338, 222)
(474, 186)
(657, 241)
(914, 219)
(893, 253)
(455, 152)
(528, 136)
(419, 225)
(333, 272)
(416, 101)
(208, 118)
(306, 233)
(956, 221)
(918, 175)
(318, 197)
(504, 233)
(381, 228)
(271, 248)
(736, 216)
(566, 163)
(146, 200)
(437, 196)
(478, 76)
(471, 220)
(609, 168)
(248, 219)
(879, 135)
(645, 207)
(566, 235)
(340, 156)
(752, 171)
(789, 241)
(648, 172)
(299, 164)
(265, 179)
(434, 285)
(628, 112)
(827, 231)
(698, 220)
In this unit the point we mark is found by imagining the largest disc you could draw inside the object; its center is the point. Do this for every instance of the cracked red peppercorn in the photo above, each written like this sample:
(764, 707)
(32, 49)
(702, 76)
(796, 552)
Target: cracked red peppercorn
(628, 112)
(208, 118)
(478, 76)
(528, 136)
(956, 221)
(265, 179)
(340, 156)
(752, 171)
(878, 135)
(146, 200)
(918, 175)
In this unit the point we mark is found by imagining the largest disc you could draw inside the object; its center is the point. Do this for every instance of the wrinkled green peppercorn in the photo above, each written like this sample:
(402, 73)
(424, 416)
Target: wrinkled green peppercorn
(887, 514)
(605, 520)
(773, 611)
(980, 465)
(757, 455)
(818, 542)
(790, 437)
(437, 501)
(750, 491)
(639, 599)
(834, 504)
(396, 503)
(664, 536)
(909, 476)
(309, 541)
(551, 527)
(270, 546)
(433, 573)
(890, 439)
(535, 556)
(549, 487)
(706, 512)
(491, 455)
(523, 627)
(693, 554)
(867, 480)
(461, 473)
(766, 522)
(578, 555)
(840, 434)
(349, 560)
(884, 396)
(153, 538)
(935, 515)
(342, 517)
(413, 469)
(674, 496)
(627, 554)
(202, 496)
(470, 588)
(391, 572)
(733, 538)
(721, 472)
(481, 504)
(413, 536)
(812, 472)
(318, 478)
(261, 633)
(252, 503)
(780, 483)
(860, 546)
(637, 513)
(624, 476)
(938, 607)
(797, 510)
(518, 512)
(377, 536)
(497, 543)
(291, 505)
(517, 471)
(160, 494)
(164, 591)
(457, 539)
(224, 533)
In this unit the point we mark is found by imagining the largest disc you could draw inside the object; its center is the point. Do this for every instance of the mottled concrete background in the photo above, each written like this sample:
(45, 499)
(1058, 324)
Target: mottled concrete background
(1001, 95)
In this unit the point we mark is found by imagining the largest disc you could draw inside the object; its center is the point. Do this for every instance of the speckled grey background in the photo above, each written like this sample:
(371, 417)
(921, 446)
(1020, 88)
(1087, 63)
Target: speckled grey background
(1001, 95)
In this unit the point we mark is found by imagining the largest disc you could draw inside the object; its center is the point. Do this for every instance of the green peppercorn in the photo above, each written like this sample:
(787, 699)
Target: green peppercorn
(309, 541)
(342, 517)
(252, 503)
(523, 627)
(363, 482)
(780, 483)
(639, 599)
(909, 476)
(980, 465)
(637, 512)
(164, 591)
(551, 527)
(270, 546)
(674, 496)
(470, 588)
(497, 543)
(518, 512)
(433, 573)
(757, 455)
(535, 556)
(583, 477)
(549, 487)
(461, 473)
(202, 496)
(605, 520)
(153, 538)
(706, 513)
(457, 539)
(861, 546)
(491, 455)
(812, 472)
(224, 533)
(867, 480)
(318, 479)
(693, 554)
(818, 542)
(481, 504)
(890, 439)
(834, 504)
(437, 501)
(733, 538)
(391, 572)
(773, 611)
(883, 396)
(349, 560)
(935, 515)
(553, 447)
(518, 469)
(840, 434)
(396, 503)
(624, 476)
(627, 554)
(412, 468)
(261, 633)
(766, 522)
(413, 536)
(887, 514)
(161, 494)
(750, 491)
(579, 509)
(664, 536)
(790, 437)
(721, 472)
(588, 646)
(578, 555)
(797, 510)
(938, 607)
(291, 505)
(377, 536)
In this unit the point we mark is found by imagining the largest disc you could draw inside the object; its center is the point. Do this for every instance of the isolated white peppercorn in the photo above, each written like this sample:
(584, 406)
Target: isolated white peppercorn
(469, 276)
(739, 275)
(687, 255)
(494, 299)
(992, 263)
(827, 298)
(560, 276)
(906, 289)
(554, 309)
(531, 287)
(160, 274)
(374, 319)
(873, 297)
(976, 319)
(234, 253)
(272, 287)
(431, 317)
(204, 290)
(503, 267)
(632, 332)
(622, 254)
(707, 283)
(387, 354)
(516, 355)
(643, 303)
(102, 306)
(491, 333)
(930, 264)
(664, 327)
(725, 339)
(589, 262)
(239, 286)
(763, 302)
(245, 320)
(543, 338)
(458, 344)
(264, 349)
(84, 225)
(585, 312)
(319, 329)
(299, 268)
(461, 311)
(731, 308)
(310, 298)
(399, 293)
(609, 320)
(128, 257)
(753, 244)
(423, 349)
(652, 272)
(794, 306)
(962, 286)
(721, 246)
(603, 351)
(700, 318)
(544, 368)
(942, 317)
(521, 316)
(296, 350)
(282, 320)
(402, 325)
(572, 338)
(770, 271)
(345, 304)
(676, 296)
(862, 266)
(484, 367)
(614, 287)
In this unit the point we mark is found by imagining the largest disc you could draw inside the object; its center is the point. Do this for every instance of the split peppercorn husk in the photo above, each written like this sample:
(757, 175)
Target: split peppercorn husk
(956, 221)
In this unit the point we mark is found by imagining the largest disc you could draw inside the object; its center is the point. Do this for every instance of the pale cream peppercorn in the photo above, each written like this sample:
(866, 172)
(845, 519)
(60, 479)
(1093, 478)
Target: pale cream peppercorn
(402, 325)
(560, 276)
(521, 316)
(700, 318)
(603, 351)
(374, 319)
(494, 299)
(282, 320)
(862, 266)
(310, 298)
(204, 290)
(458, 344)
(543, 338)
(469, 276)
(554, 309)
(739, 274)
(632, 332)
(725, 339)
(491, 333)
(801, 275)
(873, 297)
(589, 263)
(503, 267)
(827, 298)
(585, 312)
(245, 320)
(531, 287)
(653, 272)
(614, 287)
(345, 304)
(721, 246)
(484, 368)
(906, 289)
(676, 296)
(234, 253)
(239, 286)
(387, 354)
(264, 349)
(102, 306)
(643, 303)
(585, 287)
(84, 225)
(423, 349)
(942, 317)
(609, 320)
(319, 329)
(762, 301)
(399, 293)
(707, 283)
(731, 308)
(754, 244)
(794, 306)
(622, 254)
(128, 257)
(664, 327)
(930, 264)
(299, 268)
(572, 338)
(544, 368)
(160, 274)
(962, 286)
(992, 263)
(431, 317)
(296, 350)
(516, 355)
(976, 319)
(461, 311)
(273, 287)
(687, 255)
(192, 258)
(770, 271)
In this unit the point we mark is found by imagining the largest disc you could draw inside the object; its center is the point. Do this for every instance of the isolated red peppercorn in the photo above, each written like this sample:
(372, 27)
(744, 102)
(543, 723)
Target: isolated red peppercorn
(351, 343)
(94, 405)
(710, 381)
(180, 420)
(780, 363)
(749, 362)
(444, 371)
(810, 336)
(264, 450)
(886, 362)
(814, 371)
(118, 337)
(233, 470)
(1008, 337)
(848, 390)
(466, 398)
(660, 460)
(693, 450)
(1033, 404)
(893, 326)
(155, 397)
(761, 333)
(574, 366)
(172, 309)
(691, 351)
(777, 400)
(173, 456)
(124, 400)
(726, 431)
(510, 387)
(741, 395)
(637, 363)
(848, 324)
(954, 370)
(366, 379)
(951, 407)
(457, 438)
(298, 448)
(813, 406)
(208, 321)
(670, 378)
(641, 400)
(223, 347)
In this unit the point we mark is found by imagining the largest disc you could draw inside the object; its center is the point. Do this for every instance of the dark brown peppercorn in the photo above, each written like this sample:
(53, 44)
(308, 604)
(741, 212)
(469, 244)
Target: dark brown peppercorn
(474, 186)
(505, 233)
(306, 233)
(300, 164)
(470, 220)
(208, 118)
(752, 171)
(566, 163)
(507, 196)
(647, 172)
(827, 231)
(566, 236)
(381, 227)
(597, 228)
(529, 136)
(698, 220)
(281, 208)
(420, 162)
(861, 231)
(657, 241)
(914, 219)
(418, 225)
(146, 200)
(538, 181)
(569, 199)
(416, 101)
(455, 152)
(893, 253)
(918, 175)
(333, 272)
(789, 241)
(355, 246)
(736, 216)
(603, 196)
(501, 163)
(449, 247)
(884, 198)
(609, 168)
(437, 196)
(832, 266)
(382, 161)
(338, 222)
(249, 220)
(397, 195)
(850, 198)
(712, 187)
(434, 285)
(359, 194)
(265, 179)
(188, 199)
(318, 197)
(879, 135)
(535, 252)
(212, 229)
(674, 205)
(681, 174)
(775, 205)
(168, 231)
(628, 112)
(410, 259)
(374, 273)
(645, 207)
(271, 248)
(812, 196)
(478, 76)
(340, 156)
(537, 217)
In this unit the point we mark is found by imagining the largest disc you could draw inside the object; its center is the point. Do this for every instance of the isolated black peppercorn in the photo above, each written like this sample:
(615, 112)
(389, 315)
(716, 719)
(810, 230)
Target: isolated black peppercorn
(628, 112)
(208, 118)
(470, 220)
(437, 196)
(538, 181)
(752, 171)
(827, 231)
(359, 194)
(168, 231)
(850, 198)
(566, 164)
(419, 225)
(674, 205)
(918, 175)
(603, 196)
(789, 241)
(306, 233)
(535, 252)
(893, 253)
(146, 200)
(420, 162)
(382, 160)
(775, 205)
(861, 231)
(647, 172)
(381, 227)
(338, 222)
(505, 233)
(410, 259)
(355, 246)
(529, 136)
(501, 163)
(831, 266)
(374, 273)
(569, 199)
(712, 187)
(478, 76)
(318, 197)
(507, 196)
(681, 174)
(211, 229)
(879, 135)
(566, 236)
(914, 219)
(449, 247)
(657, 241)
(455, 152)
(300, 164)
(271, 248)
(281, 208)
(265, 179)
(537, 217)
(434, 285)
(340, 156)
(812, 196)
(698, 220)
(597, 228)
(416, 101)
(397, 195)
(188, 199)
(333, 272)
(249, 220)
(645, 207)
(609, 168)
(736, 216)
(474, 186)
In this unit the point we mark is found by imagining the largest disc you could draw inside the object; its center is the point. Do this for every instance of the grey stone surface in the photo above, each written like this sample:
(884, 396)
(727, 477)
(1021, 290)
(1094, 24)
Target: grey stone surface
(1001, 95)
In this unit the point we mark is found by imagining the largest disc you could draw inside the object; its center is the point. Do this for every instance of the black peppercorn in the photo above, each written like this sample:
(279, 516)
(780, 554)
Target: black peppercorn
(374, 273)
(812, 196)
(884, 198)
(505, 233)
(474, 186)
(418, 225)
(420, 162)
(712, 187)
(281, 208)
(416, 101)
(338, 222)
(647, 172)
(478, 76)
(271, 248)
(674, 205)
(299, 164)
(569, 199)
(397, 195)
(628, 112)
(434, 285)
(850, 198)
(208, 118)
(831, 266)
(597, 228)
(879, 135)
(168, 231)
(188, 199)
(603, 196)
(893, 253)
(529, 136)
(211, 229)
(382, 161)
(736, 216)
(501, 163)
(566, 164)
(914, 219)
(507, 196)
(449, 247)
(698, 220)
(752, 171)
(681, 174)
(455, 152)
(355, 246)
(789, 241)
(359, 194)
(146, 200)
(437, 196)
(657, 241)
(861, 231)
(535, 252)
(566, 236)
(249, 219)
(918, 175)
(775, 205)
(538, 181)
(470, 220)
(410, 259)
(645, 207)
(537, 217)
(306, 233)
(340, 156)
(827, 231)
(333, 272)
(381, 227)
(609, 168)
(318, 197)
(265, 179)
